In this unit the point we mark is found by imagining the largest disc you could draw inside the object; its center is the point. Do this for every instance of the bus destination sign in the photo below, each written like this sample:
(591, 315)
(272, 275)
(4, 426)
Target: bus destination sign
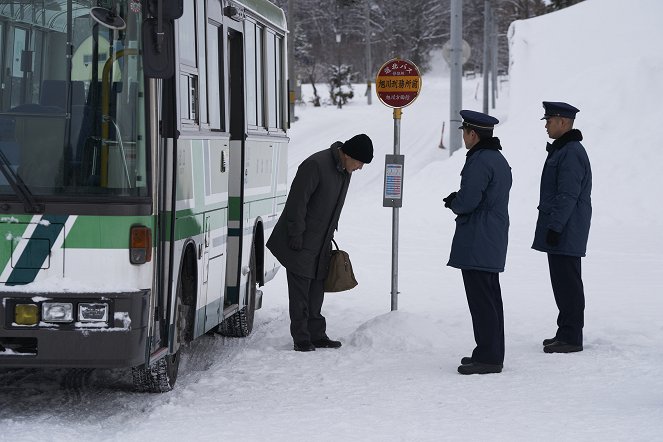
(398, 83)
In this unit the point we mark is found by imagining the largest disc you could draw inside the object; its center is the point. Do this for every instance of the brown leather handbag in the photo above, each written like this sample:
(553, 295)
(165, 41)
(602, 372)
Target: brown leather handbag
(340, 276)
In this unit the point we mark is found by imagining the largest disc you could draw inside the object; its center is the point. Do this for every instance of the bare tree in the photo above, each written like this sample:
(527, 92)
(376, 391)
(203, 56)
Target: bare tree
(333, 32)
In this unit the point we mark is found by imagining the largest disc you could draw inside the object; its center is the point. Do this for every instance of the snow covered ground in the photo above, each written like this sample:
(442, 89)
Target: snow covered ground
(395, 377)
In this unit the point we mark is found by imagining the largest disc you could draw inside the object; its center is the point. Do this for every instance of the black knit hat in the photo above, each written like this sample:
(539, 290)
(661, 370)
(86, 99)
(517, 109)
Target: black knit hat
(359, 147)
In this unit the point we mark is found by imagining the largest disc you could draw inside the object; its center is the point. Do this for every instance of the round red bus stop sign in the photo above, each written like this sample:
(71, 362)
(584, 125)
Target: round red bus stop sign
(398, 83)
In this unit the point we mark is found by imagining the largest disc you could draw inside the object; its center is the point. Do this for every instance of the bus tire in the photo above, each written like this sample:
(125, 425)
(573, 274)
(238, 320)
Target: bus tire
(160, 376)
(240, 324)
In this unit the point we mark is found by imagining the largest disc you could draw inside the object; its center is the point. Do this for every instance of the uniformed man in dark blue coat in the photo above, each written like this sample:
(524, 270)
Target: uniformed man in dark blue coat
(480, 241)
(562, 228)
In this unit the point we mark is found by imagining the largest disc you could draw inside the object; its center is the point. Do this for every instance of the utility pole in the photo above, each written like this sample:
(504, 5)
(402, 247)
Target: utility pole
(369, 63)
(486, 53)
(456, 64)
(493, 50)
(291, 61)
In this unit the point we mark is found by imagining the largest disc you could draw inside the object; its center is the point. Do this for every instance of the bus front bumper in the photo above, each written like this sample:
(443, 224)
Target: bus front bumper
(95, 330)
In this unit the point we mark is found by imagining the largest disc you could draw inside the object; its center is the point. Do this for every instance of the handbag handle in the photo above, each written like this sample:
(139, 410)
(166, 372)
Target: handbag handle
(334, 241)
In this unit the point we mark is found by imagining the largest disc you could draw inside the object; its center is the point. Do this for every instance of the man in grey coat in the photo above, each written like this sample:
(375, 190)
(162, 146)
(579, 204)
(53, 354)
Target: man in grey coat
(480, 241)
(562, 227)
(301, 240)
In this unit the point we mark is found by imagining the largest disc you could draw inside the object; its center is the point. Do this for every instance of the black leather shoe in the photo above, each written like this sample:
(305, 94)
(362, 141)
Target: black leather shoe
(304, 346)
(548, 341)
(326, 343)
(479, 368)
(561, 347)
(466, 360)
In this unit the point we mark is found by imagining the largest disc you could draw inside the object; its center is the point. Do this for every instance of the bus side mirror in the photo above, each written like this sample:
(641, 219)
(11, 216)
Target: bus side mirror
(172, 9)
(159, 37)
(158, 49)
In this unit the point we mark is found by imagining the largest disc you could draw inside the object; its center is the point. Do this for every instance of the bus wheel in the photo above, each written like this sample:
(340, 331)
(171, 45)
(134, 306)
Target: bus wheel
(240, 324)
(160, 375)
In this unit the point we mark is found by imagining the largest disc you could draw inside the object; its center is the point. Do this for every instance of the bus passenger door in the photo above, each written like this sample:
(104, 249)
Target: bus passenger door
(237, 126)
(207, 294)
(215, 230)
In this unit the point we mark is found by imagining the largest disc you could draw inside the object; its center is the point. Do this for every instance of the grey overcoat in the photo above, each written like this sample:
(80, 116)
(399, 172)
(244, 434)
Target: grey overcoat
(312, 210)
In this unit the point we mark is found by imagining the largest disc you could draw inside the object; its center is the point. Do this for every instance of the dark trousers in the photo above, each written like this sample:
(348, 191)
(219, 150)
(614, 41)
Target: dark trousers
(566, 279)
(306, 297)
(484, 297)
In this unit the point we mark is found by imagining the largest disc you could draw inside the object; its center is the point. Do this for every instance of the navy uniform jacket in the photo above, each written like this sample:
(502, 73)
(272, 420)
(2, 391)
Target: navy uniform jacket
(482, 224)
(565, 203)
(313, 207)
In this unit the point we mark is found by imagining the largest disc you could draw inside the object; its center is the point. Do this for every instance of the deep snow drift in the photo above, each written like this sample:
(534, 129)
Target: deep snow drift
(395, 376)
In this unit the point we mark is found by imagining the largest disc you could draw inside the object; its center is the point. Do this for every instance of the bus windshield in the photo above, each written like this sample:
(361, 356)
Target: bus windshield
(72, 103)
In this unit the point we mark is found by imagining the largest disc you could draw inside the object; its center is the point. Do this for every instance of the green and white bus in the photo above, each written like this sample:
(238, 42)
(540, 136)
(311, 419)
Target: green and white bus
(143, 152)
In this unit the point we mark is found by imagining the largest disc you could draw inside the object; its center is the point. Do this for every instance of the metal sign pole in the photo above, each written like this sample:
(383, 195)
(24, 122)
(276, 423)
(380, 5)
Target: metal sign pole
(394, 219)
(397, 85)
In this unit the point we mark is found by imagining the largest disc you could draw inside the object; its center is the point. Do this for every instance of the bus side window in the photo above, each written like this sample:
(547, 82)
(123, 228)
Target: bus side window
(250, 74)
(260, 75)
(188, 94)
(188, 65)
(271, 80)
(280, 69)
(274, 81)
(215, 99)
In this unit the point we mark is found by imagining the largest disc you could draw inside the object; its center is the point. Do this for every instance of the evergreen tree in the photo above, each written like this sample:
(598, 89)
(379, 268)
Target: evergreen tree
(340, 84)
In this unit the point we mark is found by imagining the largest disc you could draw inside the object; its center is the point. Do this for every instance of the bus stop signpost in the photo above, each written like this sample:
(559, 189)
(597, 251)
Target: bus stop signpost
(397, 85)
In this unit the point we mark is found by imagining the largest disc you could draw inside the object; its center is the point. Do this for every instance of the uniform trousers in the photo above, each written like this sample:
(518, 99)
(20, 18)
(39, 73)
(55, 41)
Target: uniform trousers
(566, 279)
(306, 297)
(484, 297)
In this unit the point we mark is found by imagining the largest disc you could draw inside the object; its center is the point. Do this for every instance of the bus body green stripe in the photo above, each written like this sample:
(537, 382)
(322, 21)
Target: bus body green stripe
(234, 208)
(189, 226)
(104, 232)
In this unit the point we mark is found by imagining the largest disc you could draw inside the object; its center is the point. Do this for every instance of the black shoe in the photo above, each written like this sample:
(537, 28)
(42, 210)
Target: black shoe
(548, 341)
(304, 346)
(561, 347)
(326, 343)
(479, 368)
(466, 360)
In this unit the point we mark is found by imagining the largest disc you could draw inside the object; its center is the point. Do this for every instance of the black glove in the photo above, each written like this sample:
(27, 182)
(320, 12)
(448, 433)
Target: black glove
(449, 199)
(295, 242)
(552, 237)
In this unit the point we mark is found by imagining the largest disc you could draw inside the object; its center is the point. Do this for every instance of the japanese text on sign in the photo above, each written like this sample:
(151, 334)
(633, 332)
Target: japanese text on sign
(410, 84)
(398, 83)
(393, 181)
(399, 68)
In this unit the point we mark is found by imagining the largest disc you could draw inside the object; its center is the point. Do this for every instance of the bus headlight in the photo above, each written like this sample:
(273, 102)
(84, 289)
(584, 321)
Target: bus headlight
(57, 312)
(89, 312)
(26, 314)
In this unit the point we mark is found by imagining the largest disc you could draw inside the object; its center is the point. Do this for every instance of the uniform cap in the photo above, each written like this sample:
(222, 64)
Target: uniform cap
(477, 120)
(559, 109)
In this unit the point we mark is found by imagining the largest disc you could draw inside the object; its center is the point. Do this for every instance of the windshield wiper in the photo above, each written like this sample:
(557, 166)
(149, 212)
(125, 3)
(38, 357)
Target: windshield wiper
(21, 190)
